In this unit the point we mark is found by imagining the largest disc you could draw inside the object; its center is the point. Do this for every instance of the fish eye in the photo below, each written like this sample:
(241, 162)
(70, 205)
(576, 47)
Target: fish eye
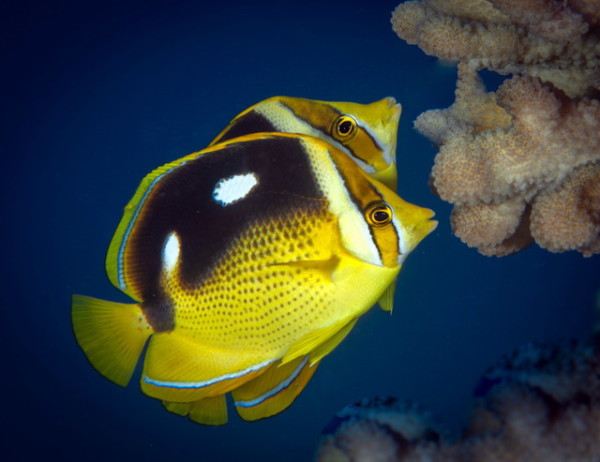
(344, 128)
(379, 214)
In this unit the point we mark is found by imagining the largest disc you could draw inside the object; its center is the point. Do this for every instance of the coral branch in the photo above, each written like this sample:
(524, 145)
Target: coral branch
(504, 155)
(539, 404)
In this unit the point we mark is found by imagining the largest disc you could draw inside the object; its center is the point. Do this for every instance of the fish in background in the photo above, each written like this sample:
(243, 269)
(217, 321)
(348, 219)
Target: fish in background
(249, 262)
(365, 132)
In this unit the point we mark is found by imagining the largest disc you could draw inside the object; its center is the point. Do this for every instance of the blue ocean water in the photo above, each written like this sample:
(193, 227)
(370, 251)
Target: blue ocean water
(97, 94)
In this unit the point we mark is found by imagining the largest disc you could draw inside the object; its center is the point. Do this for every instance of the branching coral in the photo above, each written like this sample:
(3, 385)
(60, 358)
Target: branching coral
(542, 38)
(520, 164)
(381, 429)
(540, 404)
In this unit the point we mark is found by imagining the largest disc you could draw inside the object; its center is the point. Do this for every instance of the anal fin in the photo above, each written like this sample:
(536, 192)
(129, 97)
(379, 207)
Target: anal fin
(179, 369)
(274, 390)
(206, 411)
(112, 335)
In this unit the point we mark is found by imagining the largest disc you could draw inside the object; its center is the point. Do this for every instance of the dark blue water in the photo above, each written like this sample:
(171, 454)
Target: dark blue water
(97, 94)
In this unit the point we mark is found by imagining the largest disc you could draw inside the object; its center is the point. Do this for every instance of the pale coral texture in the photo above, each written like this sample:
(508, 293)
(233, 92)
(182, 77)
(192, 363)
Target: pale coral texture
(569, 216)
(519, 164)
(539, 404)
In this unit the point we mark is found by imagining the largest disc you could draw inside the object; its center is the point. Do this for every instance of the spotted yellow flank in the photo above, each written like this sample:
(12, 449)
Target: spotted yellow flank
(249, 262)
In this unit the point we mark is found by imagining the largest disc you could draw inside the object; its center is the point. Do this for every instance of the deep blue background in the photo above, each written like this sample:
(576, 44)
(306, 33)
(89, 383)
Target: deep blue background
(97, 94)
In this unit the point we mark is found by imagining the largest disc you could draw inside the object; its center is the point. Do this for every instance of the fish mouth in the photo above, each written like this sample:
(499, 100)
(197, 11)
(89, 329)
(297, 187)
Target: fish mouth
(394, 105)
(390, 100)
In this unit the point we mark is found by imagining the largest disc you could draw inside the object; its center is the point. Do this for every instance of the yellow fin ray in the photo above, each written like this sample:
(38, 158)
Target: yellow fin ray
(274, 390)
(329, 345)
(386, 302)
(311, 341)
(206, 411)
(178, 369)
(322, 269)
(112, 335)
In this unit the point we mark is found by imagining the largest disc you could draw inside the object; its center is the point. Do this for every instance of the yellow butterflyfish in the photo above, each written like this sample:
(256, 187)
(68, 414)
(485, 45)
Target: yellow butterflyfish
(248, 262)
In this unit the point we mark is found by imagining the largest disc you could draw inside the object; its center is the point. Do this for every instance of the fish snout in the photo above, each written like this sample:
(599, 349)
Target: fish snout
(394, 107)
(390, 100)
(415, 226)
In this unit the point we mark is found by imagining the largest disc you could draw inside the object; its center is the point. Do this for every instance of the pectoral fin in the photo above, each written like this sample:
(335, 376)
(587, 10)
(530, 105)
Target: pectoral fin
(310, 342)
(322, 269)
(386, 302)
(328, 346)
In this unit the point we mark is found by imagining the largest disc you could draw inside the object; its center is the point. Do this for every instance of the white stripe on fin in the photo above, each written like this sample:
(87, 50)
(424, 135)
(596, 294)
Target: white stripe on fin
(275, 390)
(170, 253)
(206, 383)
(232, 189)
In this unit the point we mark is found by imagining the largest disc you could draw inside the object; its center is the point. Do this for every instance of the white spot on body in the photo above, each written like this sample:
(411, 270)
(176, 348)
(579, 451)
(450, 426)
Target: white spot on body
(230, 190)
(170, 253)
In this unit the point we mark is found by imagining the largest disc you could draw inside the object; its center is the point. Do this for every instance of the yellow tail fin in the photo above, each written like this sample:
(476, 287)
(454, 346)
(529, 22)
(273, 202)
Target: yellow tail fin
(112, 335)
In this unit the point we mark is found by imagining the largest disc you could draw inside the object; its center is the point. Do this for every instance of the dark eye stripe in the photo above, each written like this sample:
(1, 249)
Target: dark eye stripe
(373, 140)
(325, 130)
(361, 192)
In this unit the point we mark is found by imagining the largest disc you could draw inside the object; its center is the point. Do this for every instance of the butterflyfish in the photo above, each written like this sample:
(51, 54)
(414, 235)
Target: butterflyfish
(365, 132)
(247, 263)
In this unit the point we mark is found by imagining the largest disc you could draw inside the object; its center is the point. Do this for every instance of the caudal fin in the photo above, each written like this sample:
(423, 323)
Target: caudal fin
(112, 335)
